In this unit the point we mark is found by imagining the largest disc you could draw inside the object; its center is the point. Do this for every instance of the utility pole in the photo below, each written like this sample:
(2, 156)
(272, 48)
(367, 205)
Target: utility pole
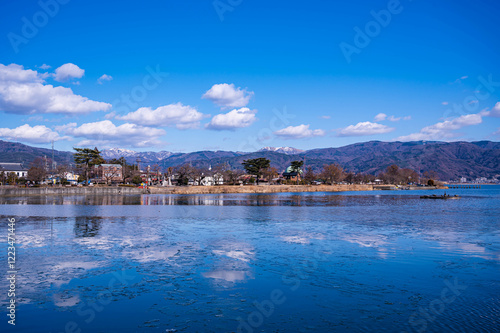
(53, 162)
(138, 160)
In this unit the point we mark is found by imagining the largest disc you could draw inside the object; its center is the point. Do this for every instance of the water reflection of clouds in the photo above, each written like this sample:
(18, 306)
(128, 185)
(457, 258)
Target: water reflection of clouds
(462, 243)
(96, 243)
(39, 280)
(227, 275)
(233, 257)
(378, 242)
(300, 237)
(30, 241)
(149, 255)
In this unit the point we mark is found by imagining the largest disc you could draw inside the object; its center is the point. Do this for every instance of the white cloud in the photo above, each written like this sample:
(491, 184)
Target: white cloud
(26, 133)
(237, 118)
(110, 115)
(443, 130)
(23, 91)
(461, 79)
(105, 133)
(178, 115)
(325, 117)
(44, 66)
(445, 103)
(299, 132)
(67, 72)
(495, 112)
(365, 128)
(392, 118)
(383, 116)
(17, 74)
(227, 96)
(104, 77)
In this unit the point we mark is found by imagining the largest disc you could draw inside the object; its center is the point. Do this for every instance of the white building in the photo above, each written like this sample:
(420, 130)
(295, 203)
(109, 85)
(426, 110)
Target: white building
(71, 177)
(210, 181)
(463, 180)
(17, 168)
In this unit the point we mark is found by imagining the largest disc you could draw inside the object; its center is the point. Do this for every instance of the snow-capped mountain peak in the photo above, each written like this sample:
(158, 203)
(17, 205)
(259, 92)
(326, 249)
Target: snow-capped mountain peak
(131, 156)
(283, 150)
(117, 153)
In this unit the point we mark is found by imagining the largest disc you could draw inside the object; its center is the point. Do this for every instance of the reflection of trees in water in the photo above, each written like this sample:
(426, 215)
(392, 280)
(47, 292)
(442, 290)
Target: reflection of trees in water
(87, 226)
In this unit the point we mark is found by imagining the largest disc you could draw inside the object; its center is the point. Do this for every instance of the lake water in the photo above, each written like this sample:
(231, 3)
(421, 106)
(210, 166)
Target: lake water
(312, 262)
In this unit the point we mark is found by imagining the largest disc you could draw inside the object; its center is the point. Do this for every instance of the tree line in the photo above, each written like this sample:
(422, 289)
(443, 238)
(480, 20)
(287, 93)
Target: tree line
(256, 170)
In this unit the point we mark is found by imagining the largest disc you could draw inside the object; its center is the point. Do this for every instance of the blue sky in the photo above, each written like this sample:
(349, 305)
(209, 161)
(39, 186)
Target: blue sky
(240, 75)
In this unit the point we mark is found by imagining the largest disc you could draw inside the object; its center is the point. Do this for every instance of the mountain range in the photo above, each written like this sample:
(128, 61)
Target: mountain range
(451, 160)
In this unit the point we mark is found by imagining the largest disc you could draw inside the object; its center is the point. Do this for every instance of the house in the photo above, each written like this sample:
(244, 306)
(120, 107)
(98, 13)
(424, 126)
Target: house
(17, 168)
(216, 179)
(109, 173)
(71, 177)
(290, 174)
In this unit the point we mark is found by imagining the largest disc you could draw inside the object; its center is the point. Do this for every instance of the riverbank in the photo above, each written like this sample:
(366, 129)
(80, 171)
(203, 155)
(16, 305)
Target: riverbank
(124, 190)
(8, 191)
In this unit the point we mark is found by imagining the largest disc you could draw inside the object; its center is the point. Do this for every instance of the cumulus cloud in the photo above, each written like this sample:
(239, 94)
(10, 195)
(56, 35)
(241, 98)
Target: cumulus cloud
(444, 129)
(178, 115)
(105, 133)
(23, 91)
(365, 128)
(380, 117)
(227, 96)
(44, 66)
(104, 77)
(26, 133)
(495, 112)
(237, 118)
(299, 132)
(67, 72)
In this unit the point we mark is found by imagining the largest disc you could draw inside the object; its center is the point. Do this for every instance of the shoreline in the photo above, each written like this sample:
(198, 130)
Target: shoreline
(223, 189)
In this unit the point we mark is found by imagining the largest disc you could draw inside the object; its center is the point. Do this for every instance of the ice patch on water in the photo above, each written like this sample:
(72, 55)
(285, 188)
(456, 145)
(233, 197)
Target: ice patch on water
(366, 240)
(101, 243)
(131, 241)
(229, 276)
(77, 265)
(234, 249)
(458, 242)
(147, 255)
(65, 300)
(298, 237)
(377, 242)
(30, 241)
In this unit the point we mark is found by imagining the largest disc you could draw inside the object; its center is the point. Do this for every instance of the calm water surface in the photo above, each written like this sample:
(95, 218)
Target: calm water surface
(382, 261)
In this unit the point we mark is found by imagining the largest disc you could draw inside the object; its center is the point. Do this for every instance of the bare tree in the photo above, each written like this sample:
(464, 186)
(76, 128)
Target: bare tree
(156, 170)
(37, 171)
(184, 173)
(231, 176)
(270, 173)
(333, 173)
(309, 176)
(111, 173)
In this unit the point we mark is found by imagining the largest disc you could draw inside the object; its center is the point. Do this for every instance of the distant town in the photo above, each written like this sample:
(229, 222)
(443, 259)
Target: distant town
(91, 169)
